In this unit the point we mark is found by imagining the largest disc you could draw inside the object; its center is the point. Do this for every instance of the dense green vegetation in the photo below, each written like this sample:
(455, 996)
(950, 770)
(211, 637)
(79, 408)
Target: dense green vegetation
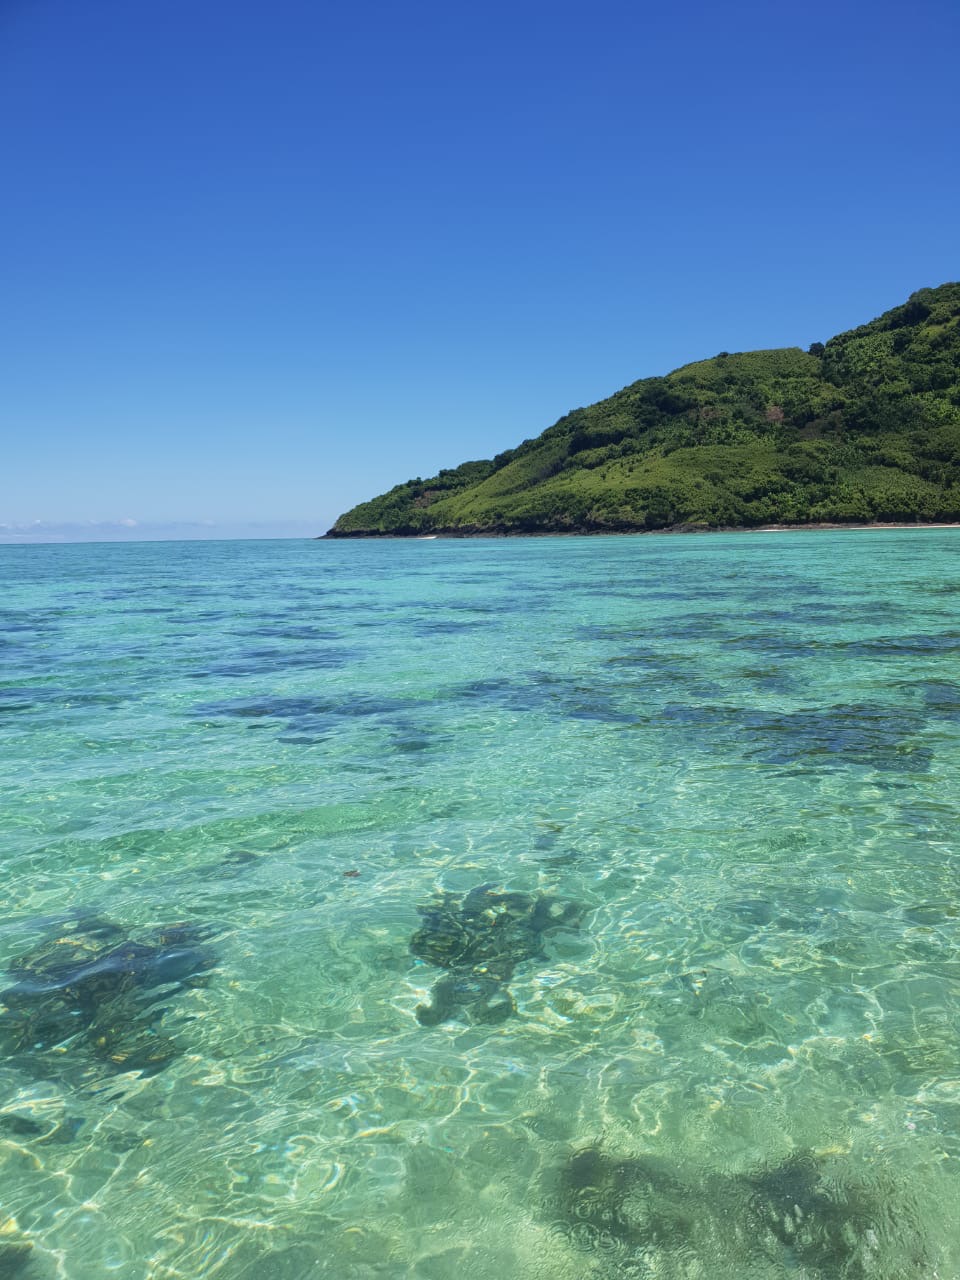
(863, 428)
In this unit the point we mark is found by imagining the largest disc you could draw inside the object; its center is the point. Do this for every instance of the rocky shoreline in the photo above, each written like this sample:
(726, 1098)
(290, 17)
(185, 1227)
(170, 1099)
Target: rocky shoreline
(587, 531)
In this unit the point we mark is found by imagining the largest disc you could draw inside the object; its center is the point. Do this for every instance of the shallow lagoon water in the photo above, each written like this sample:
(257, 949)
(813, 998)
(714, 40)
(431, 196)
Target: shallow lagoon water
(739, 757)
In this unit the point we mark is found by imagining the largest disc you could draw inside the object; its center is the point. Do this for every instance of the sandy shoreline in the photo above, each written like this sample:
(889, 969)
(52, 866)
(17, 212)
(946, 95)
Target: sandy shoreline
(792, 528)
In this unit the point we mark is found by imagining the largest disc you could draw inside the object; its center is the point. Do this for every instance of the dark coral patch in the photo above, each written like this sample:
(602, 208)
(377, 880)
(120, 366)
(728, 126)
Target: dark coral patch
(480, 938)
(880, 736)
(805, 1215)
(91, 987)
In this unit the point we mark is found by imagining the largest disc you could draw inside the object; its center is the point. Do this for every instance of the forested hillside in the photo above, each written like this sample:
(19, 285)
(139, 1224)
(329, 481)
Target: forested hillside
(863, 428)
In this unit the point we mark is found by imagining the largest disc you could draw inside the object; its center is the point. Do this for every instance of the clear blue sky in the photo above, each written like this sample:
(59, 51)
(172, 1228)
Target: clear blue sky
(264, 260)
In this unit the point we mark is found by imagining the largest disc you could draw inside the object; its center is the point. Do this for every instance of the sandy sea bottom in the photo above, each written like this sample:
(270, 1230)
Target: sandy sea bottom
(550, 908)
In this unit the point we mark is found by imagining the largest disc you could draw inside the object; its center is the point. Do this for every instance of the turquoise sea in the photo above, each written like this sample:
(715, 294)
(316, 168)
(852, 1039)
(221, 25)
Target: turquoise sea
(504, 909)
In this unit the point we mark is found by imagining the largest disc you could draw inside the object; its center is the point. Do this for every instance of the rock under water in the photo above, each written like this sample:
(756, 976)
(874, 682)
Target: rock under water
(823, 1218)
(93, 988)
(481, 937)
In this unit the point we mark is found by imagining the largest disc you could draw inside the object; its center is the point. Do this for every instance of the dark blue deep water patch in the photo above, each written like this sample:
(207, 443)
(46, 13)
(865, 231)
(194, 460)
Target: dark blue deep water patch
(941, 698)
(40, 699)
(295, 709)
(542, 692)
(259, 662)
(291, 631)
(449, 626)
(910, 645)
(873, 735)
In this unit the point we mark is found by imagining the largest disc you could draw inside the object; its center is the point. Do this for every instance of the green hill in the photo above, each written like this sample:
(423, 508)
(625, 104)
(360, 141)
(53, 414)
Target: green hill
(864, 428)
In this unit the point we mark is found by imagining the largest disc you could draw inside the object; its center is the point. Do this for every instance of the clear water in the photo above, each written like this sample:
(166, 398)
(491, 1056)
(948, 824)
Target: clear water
(739, 754)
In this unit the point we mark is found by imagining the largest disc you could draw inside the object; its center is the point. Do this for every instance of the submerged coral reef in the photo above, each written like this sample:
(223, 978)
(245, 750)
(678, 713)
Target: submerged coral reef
(480, 938)
(94, 990)
(820, 1217)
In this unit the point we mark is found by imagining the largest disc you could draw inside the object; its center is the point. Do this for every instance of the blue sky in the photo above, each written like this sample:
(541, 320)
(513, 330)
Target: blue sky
(263, 261)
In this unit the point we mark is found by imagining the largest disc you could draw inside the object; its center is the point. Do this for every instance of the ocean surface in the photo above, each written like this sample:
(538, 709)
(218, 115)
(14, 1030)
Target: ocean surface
(506, 909)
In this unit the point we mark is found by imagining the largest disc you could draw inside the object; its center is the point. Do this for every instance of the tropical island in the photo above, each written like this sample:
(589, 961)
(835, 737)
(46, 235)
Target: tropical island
(862, 429)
